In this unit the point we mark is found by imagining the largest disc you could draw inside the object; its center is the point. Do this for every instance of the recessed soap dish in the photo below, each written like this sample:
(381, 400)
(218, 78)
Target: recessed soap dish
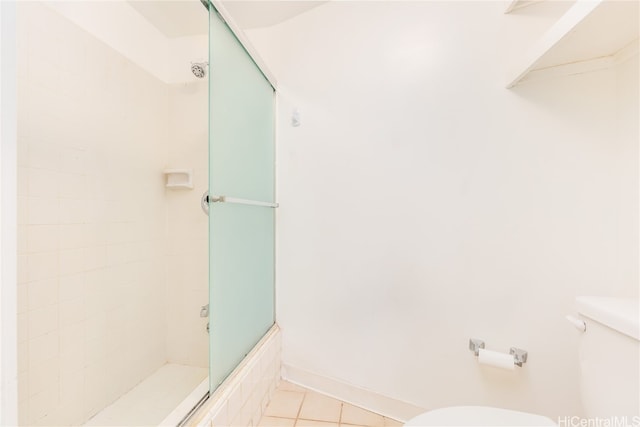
(178, 178)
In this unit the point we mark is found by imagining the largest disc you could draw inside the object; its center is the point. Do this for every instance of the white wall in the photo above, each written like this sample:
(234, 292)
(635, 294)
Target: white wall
(628, 120)
(423, 204)
(92, 140)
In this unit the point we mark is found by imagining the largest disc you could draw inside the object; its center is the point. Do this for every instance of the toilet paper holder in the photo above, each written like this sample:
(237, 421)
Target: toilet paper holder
(519, 355)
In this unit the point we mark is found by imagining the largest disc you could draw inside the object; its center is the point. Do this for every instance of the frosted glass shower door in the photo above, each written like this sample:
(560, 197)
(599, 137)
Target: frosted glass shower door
(241, 208)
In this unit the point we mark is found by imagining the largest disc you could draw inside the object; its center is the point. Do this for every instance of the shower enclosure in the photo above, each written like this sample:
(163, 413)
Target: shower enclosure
(116, 261)
(242, 201)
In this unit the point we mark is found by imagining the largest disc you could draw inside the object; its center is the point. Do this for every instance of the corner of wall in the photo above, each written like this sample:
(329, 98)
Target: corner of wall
(8, 217)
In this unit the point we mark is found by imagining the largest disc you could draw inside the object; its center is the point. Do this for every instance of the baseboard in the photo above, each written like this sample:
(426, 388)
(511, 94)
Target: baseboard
(372, 401)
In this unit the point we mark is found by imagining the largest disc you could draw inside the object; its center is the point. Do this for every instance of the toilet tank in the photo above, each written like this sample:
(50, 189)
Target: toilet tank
(609, 357)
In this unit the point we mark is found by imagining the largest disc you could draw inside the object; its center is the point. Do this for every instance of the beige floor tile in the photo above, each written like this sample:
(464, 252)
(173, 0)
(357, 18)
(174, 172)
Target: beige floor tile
(276, 422)
(358, 416)
(311, 423)
(284, 404)
(287, 386)
(390, 422)
(319, 407)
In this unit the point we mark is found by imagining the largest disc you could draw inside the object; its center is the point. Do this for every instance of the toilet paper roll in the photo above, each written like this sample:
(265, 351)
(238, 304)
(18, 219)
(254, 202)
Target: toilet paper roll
(496, 359)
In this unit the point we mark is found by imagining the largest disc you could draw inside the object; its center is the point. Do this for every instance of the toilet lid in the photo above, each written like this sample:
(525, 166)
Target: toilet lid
(478, 416)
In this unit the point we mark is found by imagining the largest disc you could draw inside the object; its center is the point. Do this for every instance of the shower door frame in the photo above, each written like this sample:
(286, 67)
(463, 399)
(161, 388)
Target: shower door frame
(226, 291)
(224, 15)
(244, 41)
(251, 54)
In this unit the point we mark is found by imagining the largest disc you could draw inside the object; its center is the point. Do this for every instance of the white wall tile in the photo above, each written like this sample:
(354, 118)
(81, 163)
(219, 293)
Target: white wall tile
(73, 211)
(23, 148)
(43, 403)
(42, 238)
(23, 210)
(95, 257)
(43, 375)
(23, 357)
(42, 210)
(22, 239)
(23, 298)
(235, 401)
(223, 409)
(97, 211)
(221, 417)
(72, 311)
(43, 348)
(42, 321)
(72, 394)
(74, 236)
(42, 293)
(72, 161)
(71, 286)
(72, 362)
(23, 181)
(23, 413)
(72, 261)
(72, 340)
(42, 183)
(23, 387)
(42, 265)
(23, 328)
(72, 186)
(43, 155)
(23, 272)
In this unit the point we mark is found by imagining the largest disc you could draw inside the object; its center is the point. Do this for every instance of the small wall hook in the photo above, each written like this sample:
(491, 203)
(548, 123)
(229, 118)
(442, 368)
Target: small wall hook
(295, 118)
(475, 345)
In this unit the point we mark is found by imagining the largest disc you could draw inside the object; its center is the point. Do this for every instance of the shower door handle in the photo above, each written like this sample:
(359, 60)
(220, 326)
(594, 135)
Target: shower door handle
(206, 199)
(237, 201)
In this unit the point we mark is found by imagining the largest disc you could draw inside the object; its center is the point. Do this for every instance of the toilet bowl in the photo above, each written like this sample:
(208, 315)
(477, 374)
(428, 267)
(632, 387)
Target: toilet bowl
(478, 416)
(608, 359)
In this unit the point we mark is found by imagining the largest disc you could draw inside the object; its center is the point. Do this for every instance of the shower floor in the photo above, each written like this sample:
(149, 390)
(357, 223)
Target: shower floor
(153, 399)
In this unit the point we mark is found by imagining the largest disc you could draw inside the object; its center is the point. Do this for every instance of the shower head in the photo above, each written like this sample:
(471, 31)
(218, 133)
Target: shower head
(199, 69)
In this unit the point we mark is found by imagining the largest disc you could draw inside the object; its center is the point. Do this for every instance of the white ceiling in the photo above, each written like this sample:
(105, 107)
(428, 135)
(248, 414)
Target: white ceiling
(178, 18)
(263, 13)
(174, 18)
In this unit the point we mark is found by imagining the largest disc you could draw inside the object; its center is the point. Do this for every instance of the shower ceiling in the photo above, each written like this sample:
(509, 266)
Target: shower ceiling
(178, 18)
(263, 13)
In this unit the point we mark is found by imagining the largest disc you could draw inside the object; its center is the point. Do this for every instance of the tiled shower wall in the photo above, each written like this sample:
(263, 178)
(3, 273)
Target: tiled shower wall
(188, 262)
(93, 140)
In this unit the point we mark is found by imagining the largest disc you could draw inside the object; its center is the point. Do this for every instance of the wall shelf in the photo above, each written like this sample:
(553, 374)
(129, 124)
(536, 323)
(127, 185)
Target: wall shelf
(178, 178)
(592, 34)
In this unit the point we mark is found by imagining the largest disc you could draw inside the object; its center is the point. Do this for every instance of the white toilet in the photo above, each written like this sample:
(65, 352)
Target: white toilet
(609, 358)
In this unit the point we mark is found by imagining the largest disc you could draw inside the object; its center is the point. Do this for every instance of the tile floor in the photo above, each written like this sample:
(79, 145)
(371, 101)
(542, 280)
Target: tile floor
(293, 406)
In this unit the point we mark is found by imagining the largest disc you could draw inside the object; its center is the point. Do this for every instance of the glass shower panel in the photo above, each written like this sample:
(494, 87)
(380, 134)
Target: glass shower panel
(241, 170)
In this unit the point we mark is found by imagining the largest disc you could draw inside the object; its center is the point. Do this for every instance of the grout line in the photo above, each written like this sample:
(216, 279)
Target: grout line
(304, 396)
